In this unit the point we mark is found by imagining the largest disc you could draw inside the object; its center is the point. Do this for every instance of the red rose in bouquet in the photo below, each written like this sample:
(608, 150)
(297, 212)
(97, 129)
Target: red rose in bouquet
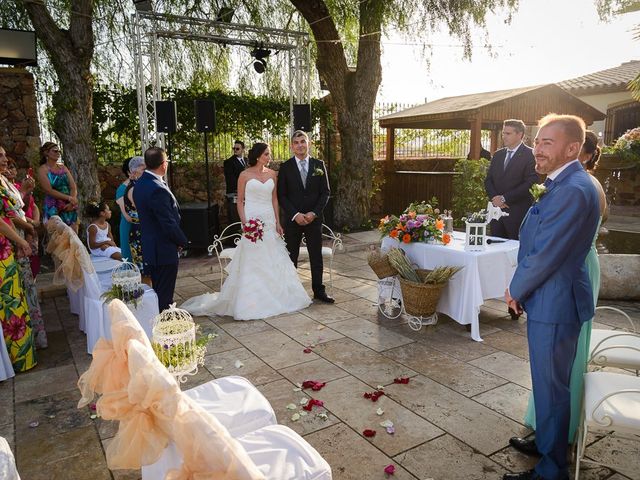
(253, 229)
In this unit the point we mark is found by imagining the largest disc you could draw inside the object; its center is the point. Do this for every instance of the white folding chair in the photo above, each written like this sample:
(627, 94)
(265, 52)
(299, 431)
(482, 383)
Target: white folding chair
(334, 241)
(615, 348)
(231, 234)
(611, 404)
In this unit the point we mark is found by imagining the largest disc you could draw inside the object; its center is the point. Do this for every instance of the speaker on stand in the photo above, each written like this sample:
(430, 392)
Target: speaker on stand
(167, 122)
(197, 215)
(302, 117)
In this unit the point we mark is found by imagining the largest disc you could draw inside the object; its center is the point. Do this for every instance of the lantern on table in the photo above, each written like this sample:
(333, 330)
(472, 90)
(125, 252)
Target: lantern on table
(476, 227)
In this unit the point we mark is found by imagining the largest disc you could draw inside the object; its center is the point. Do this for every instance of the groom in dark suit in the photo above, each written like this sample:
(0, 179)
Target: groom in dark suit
(162, 238)
(303, 192)
(552, 285)
(510, 176)
(233, 167)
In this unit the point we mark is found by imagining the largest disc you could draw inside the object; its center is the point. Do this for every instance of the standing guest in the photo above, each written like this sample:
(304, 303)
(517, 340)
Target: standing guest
(99, 238)
(136, 168)
(510, 176)
(31, 211)
(14, 316)
(589, 156)
(125, 219)
(162, 238)
(61, 193)
(15, 212)
(551, 283)
(233, 167)
(303, 192)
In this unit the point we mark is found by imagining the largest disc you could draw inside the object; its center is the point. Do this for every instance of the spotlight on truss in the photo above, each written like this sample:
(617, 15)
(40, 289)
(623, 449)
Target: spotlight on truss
(260, 63)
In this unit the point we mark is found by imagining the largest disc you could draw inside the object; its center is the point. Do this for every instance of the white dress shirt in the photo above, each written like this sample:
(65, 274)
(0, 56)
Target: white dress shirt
(553, 175)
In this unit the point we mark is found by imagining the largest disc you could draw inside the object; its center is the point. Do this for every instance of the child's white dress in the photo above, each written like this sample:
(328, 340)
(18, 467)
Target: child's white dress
(102, 235)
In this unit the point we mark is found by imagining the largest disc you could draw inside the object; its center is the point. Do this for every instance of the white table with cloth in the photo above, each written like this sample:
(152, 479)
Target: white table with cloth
(485, 275)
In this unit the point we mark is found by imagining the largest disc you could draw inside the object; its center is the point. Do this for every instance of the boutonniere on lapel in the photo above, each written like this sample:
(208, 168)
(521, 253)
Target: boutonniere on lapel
(537, 190)
(318, 172)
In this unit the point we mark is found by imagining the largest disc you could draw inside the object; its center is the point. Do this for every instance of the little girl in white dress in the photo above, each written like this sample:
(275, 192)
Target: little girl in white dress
(99, 238)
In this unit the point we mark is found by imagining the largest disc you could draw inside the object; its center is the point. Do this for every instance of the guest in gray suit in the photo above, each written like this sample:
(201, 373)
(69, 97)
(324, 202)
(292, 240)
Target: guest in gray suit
(510, 176)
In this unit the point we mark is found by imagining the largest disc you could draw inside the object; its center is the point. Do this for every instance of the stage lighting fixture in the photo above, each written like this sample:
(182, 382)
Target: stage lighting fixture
(143, 5)
(260, 62)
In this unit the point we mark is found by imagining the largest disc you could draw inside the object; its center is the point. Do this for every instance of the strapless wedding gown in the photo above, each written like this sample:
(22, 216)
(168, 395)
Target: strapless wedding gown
(262, 280)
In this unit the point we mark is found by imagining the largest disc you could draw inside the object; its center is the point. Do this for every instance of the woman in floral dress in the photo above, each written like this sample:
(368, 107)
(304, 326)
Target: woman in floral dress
(13, 209)
(136, 168)
(61, 193)
(14, 314)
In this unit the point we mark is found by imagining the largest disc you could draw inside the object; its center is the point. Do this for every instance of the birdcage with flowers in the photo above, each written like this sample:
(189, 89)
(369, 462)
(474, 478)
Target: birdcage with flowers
(174, 342)
(126, 284)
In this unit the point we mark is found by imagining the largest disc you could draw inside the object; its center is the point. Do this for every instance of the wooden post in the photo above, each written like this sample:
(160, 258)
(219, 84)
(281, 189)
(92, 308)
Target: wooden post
(390, 153)
(476, 130)
(494, 140)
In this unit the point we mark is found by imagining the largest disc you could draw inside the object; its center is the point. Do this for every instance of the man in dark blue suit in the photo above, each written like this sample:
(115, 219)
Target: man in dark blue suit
(509, 178)
(552, 285)
(162, 238)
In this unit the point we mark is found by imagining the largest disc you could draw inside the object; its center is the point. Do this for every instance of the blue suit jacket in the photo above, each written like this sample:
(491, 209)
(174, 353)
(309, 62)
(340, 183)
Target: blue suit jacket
(159, 221)
(551, 280)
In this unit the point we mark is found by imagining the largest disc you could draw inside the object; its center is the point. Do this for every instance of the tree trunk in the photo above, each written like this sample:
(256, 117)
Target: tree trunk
(353, 93)
(71, 52)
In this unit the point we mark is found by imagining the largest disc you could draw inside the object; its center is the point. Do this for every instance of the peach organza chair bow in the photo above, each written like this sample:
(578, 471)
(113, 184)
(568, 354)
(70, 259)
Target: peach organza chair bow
(71, 257)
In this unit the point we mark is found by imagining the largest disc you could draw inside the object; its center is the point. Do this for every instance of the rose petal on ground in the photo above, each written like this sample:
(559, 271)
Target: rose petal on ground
(295, 417)
(369, 433)
(292, 406)
(386, 423)
(238, 364)
(390, 469)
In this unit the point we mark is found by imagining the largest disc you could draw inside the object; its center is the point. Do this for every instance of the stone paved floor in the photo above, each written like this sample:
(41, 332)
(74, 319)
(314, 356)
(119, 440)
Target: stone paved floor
(452, 421)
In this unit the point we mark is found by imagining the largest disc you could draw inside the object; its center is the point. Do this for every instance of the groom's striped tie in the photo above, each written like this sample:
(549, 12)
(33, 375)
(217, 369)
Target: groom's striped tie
(303, 171)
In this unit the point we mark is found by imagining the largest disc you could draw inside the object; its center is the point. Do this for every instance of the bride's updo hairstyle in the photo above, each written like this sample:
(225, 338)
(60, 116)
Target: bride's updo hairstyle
(255, 152)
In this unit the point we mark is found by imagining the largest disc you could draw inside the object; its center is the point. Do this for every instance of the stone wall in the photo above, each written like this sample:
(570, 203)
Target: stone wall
(19, 127)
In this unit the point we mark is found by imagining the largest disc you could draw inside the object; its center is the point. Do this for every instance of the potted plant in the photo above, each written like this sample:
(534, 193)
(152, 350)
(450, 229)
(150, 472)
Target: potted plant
(624, 153)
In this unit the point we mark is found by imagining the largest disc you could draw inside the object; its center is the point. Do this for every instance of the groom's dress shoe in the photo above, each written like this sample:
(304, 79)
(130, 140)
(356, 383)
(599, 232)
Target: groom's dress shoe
(528, 475)
(528, 447)
(323, 297)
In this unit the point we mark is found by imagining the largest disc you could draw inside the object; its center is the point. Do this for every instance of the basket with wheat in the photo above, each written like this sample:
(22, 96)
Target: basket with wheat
(379, 263)
(421, 289)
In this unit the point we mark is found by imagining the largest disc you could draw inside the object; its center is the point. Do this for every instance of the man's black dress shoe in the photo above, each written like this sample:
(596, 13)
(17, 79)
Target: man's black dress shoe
(528, 447)
(528, 475)
(323, 297)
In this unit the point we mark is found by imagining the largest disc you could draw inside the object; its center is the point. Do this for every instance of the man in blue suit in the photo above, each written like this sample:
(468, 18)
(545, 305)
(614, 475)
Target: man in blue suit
(162, 238)
(551, 284)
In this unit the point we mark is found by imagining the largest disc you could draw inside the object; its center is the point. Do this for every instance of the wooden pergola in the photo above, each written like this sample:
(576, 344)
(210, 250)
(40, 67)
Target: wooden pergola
(486, 111)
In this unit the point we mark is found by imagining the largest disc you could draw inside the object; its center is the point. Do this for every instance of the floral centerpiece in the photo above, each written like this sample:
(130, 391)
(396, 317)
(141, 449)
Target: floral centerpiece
(418, 223)
(253, 229)
(627, 146)
(126, 285)
(174, 342)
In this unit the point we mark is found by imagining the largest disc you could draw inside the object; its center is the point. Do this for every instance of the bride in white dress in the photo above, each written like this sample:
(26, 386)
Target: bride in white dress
(262, 280)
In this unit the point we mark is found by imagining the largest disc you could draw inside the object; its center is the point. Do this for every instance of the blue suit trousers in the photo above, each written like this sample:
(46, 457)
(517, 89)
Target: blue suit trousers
(552, 350)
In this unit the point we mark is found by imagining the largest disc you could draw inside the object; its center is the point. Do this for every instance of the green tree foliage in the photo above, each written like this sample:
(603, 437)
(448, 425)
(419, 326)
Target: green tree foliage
(468, 188)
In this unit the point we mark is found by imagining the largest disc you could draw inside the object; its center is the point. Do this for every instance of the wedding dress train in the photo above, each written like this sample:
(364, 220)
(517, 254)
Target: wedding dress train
(262, 280)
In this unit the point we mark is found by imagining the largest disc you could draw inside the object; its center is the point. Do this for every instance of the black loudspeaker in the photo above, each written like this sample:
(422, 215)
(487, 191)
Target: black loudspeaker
(166, 119)
(199, 223)
(302, 117)
(205, 115)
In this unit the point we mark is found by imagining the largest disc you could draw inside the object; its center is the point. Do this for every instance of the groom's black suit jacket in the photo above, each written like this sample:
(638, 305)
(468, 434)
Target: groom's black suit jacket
(295, 197)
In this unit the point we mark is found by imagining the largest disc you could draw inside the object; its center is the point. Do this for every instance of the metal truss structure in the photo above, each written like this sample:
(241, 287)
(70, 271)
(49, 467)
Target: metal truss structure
(150, 27)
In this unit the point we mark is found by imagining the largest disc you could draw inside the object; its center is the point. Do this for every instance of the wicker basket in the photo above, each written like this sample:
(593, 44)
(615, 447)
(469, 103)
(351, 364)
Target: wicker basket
(382, 268)
(420, 299)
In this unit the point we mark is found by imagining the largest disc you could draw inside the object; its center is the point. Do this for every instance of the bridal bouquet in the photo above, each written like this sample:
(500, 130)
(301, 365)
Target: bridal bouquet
(253, 229)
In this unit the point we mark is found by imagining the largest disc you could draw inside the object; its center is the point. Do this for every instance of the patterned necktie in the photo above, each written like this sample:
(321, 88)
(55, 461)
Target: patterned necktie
(506, 160)
(303, 171)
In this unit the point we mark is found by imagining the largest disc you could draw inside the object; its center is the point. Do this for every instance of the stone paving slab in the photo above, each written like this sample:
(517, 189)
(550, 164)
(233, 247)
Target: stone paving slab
(453, 420)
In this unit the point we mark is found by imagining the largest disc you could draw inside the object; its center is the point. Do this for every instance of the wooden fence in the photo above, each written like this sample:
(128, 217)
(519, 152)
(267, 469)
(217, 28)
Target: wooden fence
(403, 187)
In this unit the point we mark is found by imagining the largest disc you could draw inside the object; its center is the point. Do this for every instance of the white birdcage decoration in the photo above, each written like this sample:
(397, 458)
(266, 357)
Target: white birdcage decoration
(174, 342)
(126, 284)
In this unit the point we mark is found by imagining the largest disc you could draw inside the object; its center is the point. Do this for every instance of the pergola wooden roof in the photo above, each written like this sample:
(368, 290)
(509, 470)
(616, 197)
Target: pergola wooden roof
(487, 111)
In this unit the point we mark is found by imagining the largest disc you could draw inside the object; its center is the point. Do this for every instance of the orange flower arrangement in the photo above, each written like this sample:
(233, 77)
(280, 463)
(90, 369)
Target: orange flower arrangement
(446, 239)
(406, 238)
(393, 233)
(439, 224)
